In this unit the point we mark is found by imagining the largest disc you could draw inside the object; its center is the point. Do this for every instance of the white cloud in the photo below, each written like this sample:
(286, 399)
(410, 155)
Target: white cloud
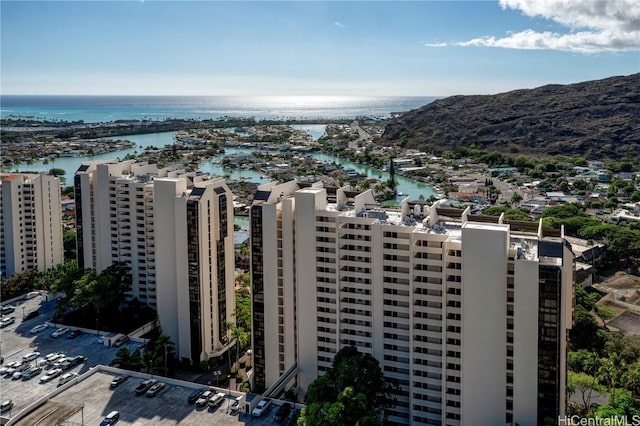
(339, 24)
(592, 26)
(436, 44)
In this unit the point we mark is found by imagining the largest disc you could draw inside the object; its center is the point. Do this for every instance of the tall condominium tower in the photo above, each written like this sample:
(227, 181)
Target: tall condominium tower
(175, 231)
(30, 223)
(467, 314)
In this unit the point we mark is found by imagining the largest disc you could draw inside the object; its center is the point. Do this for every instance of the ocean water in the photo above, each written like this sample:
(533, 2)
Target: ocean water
(95, 109)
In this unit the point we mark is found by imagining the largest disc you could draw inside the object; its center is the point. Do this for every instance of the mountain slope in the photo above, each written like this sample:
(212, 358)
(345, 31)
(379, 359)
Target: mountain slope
(598, 118)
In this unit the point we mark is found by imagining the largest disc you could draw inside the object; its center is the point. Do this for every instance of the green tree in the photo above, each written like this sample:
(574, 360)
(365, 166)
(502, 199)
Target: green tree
(352, 392)
(563, 211)
(57, 172)
(585, 332)
(584, 361)
(69, 244)
(126, 359)
(392, 182)
(605, 313)
(584, 385)
(516, 198)
(631, 379)
(610, 374)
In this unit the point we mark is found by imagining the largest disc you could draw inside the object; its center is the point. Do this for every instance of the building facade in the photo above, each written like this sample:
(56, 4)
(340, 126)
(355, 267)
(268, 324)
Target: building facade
(30, 223)
(448, 303)
(175, 232)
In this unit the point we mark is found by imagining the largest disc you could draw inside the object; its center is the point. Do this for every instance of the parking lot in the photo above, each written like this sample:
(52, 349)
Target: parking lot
(16, 340)
(90, 397)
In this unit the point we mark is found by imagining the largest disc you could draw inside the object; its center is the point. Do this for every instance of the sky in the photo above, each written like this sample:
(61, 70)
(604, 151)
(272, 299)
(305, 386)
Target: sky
(415, 48)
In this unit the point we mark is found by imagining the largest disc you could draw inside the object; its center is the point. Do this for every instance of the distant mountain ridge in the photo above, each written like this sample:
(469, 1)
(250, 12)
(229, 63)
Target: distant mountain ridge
(599, 118)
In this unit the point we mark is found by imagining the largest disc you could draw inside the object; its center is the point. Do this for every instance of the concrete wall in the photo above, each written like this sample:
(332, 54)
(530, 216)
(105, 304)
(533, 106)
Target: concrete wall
(270, 268)
(305, 229)
(484, 323)
(171, 252)
(525, 345)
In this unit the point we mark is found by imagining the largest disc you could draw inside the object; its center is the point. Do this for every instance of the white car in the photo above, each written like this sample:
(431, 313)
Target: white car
(204, 398)
(12, 368)
(65, 378)
(52, 357)
(52, 374)
(12, 365)
(59, 332)
(217, 399)
(261, 407)
(38, 328)
(31, 356)
(7, 321)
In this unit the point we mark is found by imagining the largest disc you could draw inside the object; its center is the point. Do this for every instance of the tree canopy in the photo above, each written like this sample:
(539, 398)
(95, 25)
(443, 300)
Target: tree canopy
(353, 392)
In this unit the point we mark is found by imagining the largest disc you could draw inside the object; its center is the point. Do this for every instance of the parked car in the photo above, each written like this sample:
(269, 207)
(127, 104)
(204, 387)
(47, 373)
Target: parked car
(117, 381)
(59, 332)
(74, 334)
(13, 367)
(17, 374)
(155, 389)
(51, 358)
(6, 406)
(216, 399)
(52, 374)
(119, 341)
(283, 412)
(235, 405)
(32, 315)
(7, 321)
(30, 356)
(38, 328)
(193, 397)
(31, 372)
(261, 407)
(10, 367)
(110, 418)
(7, 309)
(63, 363)
(77, 360)
(66, 378)
(33, 294)
(144, 386)
(204, 398)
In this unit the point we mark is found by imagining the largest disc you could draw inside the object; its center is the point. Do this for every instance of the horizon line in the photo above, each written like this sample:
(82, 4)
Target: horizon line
(226, 96)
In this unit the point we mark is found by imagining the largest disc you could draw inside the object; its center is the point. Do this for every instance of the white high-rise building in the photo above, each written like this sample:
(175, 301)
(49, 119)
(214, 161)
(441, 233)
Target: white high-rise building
(175, 232)
(467, 314)
(30, 223)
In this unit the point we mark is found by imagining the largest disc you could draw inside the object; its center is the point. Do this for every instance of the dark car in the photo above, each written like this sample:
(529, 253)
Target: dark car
(32, 315)
(195, 395)
(74, 334)
(282, 412)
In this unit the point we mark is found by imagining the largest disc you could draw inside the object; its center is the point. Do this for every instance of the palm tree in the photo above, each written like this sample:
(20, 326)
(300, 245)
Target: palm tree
(610, 374)
(126, 359)
(631, 379)
(163, 350)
